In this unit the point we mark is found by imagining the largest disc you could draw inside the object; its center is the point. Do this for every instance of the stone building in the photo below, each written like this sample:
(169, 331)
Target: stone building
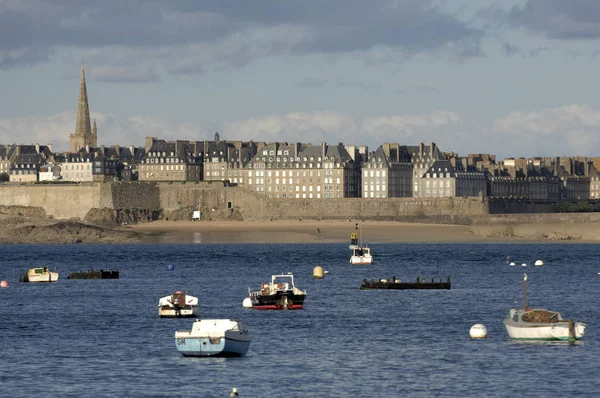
(25, 168)
(594, 183)
(225, 160)
(539, 188)
(26, 160)
(49, 172)
(84, 133)
(443, 180)
(303, 171)
(77, 167)
(422, 158)
(6, 154)
(388, 173)
(116, 163)
(170, 161)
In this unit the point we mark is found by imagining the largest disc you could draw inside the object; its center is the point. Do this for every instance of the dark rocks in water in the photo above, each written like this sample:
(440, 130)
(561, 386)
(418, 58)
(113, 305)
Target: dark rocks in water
(65, 232)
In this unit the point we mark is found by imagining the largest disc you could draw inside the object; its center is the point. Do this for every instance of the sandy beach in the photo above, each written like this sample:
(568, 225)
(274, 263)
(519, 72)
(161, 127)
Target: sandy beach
(300, 232)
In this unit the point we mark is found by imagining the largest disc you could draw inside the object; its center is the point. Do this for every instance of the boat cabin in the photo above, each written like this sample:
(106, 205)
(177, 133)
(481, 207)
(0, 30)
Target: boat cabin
(521, 315)
(282, 282)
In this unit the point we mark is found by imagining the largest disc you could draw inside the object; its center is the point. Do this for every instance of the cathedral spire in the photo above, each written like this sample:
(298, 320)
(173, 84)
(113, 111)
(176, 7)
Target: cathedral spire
(94, 128)
(83, 126)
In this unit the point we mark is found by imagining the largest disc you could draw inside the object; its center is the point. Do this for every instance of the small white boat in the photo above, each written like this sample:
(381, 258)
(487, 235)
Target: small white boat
(541, 324)
(39, 274)
(178, 305)
(213, 337)
(361, 254)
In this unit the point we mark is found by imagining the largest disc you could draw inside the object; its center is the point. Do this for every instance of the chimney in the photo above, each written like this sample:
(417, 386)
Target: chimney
(556, 166)
(323, 150)
(132, 150)
(49, 145)
(150, 142)
(386, 149)
(37, 148)
(87, 148)
(431, 149)
(118, 150)
(421, 148)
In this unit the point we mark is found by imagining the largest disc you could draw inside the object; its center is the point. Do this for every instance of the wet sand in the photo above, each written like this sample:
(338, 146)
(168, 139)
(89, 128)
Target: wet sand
(301, 232)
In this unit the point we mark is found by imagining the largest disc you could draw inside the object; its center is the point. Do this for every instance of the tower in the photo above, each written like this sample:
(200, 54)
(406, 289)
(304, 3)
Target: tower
(84, 135)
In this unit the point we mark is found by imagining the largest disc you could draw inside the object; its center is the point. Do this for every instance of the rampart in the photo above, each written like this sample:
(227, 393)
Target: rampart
(176, 201)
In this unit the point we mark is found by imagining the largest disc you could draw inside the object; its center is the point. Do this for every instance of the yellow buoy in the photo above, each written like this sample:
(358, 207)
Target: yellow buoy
(318, 272)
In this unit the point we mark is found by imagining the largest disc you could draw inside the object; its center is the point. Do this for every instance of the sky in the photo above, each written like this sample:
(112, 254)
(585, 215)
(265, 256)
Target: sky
(514, 78)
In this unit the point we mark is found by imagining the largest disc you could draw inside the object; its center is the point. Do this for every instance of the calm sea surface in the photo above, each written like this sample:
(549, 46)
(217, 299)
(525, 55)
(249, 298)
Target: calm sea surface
(104, 338)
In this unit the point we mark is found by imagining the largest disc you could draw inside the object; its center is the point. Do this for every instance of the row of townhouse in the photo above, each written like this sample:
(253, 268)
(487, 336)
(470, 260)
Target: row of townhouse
(306, 171)
(32, 163)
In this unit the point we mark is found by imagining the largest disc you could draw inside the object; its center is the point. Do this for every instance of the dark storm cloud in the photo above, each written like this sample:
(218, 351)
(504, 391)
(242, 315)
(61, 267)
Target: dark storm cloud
(30, 30)
(558, 19)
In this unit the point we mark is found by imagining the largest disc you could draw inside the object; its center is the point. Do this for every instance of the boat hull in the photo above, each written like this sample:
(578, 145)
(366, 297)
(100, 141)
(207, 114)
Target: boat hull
(358, 260)
(366, 285)
(214, 338)
(93, 274)
(556, 331)
(279, 301)
(211, 347)
(47, 278)
(171, 312)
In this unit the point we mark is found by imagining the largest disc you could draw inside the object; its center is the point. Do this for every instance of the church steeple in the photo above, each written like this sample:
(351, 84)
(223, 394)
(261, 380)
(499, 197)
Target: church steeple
(84, 135)
(94, 129)
(83, 126)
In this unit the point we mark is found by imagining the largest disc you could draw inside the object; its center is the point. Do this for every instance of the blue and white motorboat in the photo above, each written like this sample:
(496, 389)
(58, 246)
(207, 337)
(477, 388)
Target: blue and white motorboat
(213, 337)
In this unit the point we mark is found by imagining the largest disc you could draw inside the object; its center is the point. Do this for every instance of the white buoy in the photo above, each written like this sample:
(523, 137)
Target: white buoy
(478, 331)
(512, 264)
(4, 284)
(539, 263)
(523, 265)
(326, 273)
(247, 303)
(318, 272)
(233, 393)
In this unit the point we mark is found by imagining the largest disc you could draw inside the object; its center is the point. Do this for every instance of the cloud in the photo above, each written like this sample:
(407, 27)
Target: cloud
(310, 82)
(417, 90)
(572, 130)
(112, 129)
(123, 74)
(568, 130)
(510, 49)
(196, 37)
(557, 19)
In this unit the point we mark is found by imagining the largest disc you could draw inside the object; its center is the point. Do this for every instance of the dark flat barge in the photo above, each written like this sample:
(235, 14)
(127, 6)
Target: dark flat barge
(95, 274)
(397, 284)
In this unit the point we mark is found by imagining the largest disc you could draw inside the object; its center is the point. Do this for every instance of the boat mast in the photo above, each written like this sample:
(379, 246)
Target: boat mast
(525, 292)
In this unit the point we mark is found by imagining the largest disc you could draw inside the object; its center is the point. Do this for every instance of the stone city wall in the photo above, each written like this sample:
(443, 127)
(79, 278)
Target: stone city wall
(146, 201)
(61, 202)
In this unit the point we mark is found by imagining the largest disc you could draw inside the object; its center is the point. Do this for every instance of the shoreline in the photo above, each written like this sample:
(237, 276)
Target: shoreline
(316, 232)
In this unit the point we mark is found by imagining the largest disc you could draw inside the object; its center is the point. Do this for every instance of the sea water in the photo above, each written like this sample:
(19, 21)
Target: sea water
(104, 338)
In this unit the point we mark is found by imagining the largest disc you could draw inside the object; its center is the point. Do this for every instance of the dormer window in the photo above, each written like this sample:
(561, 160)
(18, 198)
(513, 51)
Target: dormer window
(265, 152)
(286, 152)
